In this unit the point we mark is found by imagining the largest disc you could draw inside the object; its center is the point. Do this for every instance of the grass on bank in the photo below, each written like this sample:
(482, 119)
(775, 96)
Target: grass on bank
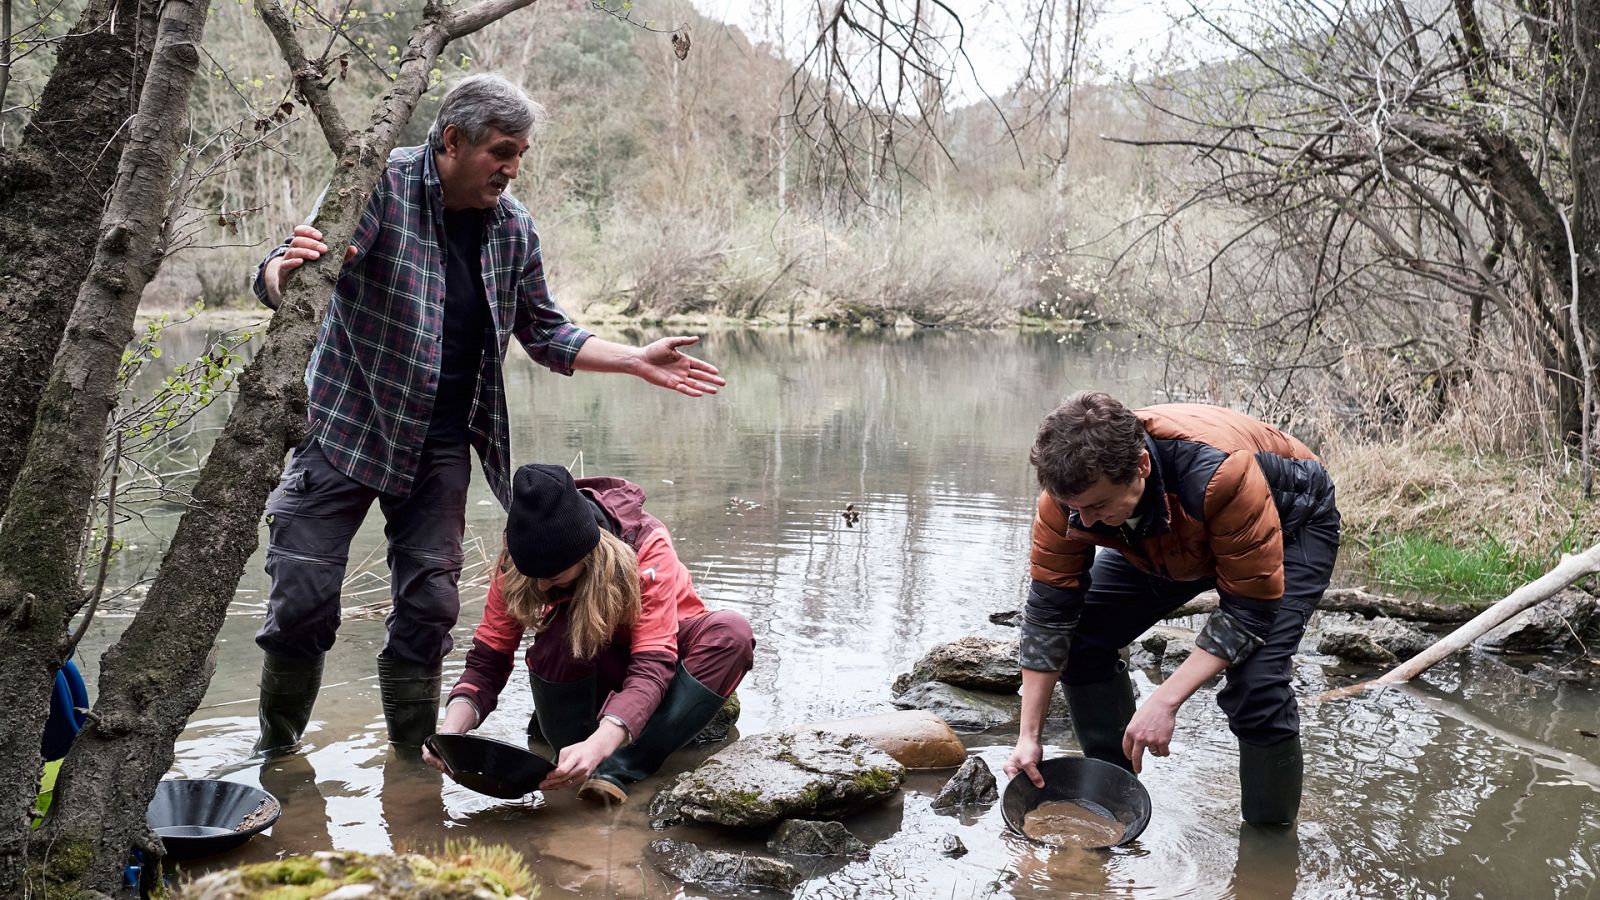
(1439, 519)
(1481, 572)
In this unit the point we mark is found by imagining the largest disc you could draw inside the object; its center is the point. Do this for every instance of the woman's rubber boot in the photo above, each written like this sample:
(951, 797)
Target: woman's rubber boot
(687, 707)
(289, 688)
(1270, 780)
(566, 710)
(1100, 714)
(410, 699)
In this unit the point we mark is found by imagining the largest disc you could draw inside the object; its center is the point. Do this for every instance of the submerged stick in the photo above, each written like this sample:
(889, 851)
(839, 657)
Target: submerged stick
(1570, 569)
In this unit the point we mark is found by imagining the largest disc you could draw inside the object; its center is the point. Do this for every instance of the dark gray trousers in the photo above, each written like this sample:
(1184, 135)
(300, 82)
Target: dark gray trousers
(1124, 602)
(312, 516)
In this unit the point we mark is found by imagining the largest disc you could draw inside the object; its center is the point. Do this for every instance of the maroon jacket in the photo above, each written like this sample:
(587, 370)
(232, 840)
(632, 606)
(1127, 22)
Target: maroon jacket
(667, 597)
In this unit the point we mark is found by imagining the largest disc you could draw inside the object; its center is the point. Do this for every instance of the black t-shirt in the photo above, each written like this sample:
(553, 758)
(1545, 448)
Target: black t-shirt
(466, 323)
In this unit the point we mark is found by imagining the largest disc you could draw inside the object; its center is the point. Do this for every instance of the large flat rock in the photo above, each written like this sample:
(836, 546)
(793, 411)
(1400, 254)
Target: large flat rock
(787, 775)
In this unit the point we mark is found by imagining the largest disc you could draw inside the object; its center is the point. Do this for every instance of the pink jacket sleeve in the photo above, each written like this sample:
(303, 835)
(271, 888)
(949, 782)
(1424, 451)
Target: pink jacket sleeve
(493, 654)
(665, 588)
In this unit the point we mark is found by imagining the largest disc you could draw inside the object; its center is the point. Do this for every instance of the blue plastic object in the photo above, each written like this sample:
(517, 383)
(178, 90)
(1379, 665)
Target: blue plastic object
(66, 720)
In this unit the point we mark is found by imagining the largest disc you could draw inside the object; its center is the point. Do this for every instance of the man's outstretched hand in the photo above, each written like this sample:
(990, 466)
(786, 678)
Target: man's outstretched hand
(662, 364)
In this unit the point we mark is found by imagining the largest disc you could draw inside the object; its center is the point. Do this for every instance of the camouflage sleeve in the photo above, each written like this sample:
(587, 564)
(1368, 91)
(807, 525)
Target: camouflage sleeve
(1226, 635)
(1049, 618)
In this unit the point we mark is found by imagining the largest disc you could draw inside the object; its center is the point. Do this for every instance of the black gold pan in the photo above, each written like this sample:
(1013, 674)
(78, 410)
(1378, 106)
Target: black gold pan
(1091, 783)
(488, 766)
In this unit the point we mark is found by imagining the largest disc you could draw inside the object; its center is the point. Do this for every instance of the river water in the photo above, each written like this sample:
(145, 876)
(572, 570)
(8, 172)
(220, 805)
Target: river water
(1479, 782)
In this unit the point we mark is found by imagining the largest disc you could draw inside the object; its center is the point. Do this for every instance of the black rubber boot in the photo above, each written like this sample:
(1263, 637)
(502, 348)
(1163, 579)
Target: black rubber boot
(292, 780)
(565, 710)
(410, 699)
(687, 707)
(1269, 782)
(1100, 714)
(289, 688)
(1268, 863)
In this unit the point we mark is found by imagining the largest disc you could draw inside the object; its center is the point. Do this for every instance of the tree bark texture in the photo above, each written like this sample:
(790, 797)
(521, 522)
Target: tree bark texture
(49, 504)
(1585, 149)
(52, 194)
(153, 679)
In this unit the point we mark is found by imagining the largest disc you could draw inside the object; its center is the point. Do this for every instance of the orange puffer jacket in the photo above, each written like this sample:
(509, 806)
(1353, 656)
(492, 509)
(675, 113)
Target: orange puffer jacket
(1223, 490)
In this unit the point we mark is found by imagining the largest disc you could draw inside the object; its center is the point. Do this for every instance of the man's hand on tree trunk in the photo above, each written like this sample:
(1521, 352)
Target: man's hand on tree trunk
(305, 245)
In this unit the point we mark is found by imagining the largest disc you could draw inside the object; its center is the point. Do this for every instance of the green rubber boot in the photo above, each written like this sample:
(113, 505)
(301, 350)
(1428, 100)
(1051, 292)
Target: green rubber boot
(1100, 714)
(410, 699)
(1270, 779)
(687, 707)
(289, 688)
(565, 710)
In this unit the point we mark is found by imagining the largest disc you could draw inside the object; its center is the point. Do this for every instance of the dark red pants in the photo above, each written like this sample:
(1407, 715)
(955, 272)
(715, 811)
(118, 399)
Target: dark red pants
(717, 648)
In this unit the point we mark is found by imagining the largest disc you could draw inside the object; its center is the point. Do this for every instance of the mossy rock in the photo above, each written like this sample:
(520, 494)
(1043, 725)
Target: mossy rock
(461, 870)
(762, 779)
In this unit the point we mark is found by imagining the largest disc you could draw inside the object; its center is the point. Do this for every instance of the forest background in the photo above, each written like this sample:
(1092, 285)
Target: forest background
(1392, 311)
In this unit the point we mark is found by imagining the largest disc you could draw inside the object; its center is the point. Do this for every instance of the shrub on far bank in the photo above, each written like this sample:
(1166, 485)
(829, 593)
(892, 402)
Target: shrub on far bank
(936, 265)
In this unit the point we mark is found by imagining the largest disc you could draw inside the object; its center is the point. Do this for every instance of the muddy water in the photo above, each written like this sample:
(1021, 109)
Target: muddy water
(1478, 783)
(1062, 823)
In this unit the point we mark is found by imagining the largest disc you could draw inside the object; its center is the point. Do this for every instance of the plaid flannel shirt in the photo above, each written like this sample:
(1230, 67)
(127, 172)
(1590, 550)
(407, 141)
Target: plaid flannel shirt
(374, 371)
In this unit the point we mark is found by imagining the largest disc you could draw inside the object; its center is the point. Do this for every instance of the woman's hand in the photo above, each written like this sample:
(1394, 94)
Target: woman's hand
(1025, 759)
(578, 761)
(459, 717)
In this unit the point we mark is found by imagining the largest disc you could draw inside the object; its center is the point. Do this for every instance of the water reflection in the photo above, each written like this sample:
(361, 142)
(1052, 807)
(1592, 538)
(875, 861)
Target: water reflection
(1482, 783)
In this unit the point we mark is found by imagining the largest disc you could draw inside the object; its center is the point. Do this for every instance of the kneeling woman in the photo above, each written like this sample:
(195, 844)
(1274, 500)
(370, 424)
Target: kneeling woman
(627, 664)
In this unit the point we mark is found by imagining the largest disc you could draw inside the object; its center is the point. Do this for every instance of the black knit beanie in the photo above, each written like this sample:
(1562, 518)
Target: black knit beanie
(551, 526)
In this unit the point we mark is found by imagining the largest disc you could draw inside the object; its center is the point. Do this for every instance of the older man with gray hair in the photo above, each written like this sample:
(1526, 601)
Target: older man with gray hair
(444, 269)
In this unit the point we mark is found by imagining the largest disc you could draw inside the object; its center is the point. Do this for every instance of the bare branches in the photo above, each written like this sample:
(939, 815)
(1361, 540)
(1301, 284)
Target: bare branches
(624, 12)
(108, 544)
(463, 22)
(869, 95)
(308, 75)
(1369, 157)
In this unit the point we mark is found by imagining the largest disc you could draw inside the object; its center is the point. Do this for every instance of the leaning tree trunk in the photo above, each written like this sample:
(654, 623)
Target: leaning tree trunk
(1584, 150)
(43, 527)
(54, 187)
(156, 675)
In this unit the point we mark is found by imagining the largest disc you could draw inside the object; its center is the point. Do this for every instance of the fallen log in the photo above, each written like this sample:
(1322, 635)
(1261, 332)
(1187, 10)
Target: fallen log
(1570, 569)
(1360, 602)
(1348, 600)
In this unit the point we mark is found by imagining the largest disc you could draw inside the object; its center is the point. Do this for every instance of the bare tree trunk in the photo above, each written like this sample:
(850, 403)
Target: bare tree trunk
(5, 50)
(43, 527)
(1584, 146)
(156, 675)
(54, 185)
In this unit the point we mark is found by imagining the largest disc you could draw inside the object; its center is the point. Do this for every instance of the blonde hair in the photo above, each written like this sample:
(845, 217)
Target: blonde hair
(604, 598)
